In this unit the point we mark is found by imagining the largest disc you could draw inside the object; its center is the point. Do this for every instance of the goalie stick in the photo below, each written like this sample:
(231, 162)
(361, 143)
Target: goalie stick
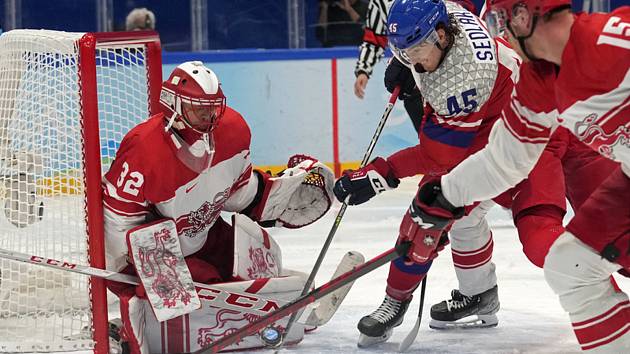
(329, 305)
(310, 297)
(344, 205)
(215, 296)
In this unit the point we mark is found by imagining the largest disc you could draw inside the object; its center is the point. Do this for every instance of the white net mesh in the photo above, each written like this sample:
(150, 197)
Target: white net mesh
(42, 205)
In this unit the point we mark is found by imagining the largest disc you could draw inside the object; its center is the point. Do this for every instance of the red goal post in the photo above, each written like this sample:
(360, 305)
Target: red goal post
(66, 101)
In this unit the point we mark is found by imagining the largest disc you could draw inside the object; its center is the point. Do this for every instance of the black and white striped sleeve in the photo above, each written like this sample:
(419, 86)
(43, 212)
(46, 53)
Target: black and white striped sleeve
(372, 48)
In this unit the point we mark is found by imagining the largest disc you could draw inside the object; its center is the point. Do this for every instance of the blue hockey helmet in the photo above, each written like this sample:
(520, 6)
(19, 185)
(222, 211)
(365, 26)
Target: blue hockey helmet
(411, 22)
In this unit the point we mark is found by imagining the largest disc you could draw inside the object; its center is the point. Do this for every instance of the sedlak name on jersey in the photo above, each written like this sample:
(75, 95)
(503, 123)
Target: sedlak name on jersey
(479, 39)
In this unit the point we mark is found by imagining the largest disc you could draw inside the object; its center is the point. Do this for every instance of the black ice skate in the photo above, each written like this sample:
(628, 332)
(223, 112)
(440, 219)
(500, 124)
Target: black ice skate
(466, 311)
(377, 327)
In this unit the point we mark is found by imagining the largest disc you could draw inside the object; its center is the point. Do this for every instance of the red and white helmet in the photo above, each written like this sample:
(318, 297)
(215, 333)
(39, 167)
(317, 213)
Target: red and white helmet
(193, 87)
(520, 16)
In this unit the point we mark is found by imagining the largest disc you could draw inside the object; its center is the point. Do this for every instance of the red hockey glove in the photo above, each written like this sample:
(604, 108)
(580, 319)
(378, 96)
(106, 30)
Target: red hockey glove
(361, 185)
(426, 222)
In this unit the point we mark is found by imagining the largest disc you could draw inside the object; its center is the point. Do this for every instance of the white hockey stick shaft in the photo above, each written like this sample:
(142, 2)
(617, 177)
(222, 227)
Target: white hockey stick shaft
(213, 296)
(69, 267)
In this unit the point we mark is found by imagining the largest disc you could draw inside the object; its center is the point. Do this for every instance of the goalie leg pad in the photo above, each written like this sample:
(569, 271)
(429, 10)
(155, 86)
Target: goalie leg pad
(198, 329)
(132, 313)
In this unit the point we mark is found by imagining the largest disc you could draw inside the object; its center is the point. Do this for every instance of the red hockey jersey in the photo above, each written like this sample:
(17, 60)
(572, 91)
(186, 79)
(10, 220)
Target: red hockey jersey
(589, 94)
(149, 179)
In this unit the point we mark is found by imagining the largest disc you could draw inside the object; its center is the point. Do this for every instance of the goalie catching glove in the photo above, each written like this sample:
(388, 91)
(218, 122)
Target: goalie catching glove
(428, 219)
(363, 184)
(296, 197)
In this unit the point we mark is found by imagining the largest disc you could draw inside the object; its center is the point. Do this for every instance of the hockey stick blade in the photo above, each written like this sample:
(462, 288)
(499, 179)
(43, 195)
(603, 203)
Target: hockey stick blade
(411, 336)
(310, 297)
(212, 294)
(329, 304)
(344, 206)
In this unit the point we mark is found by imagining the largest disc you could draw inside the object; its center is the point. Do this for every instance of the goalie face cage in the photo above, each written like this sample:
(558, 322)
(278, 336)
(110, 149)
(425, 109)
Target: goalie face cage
(56, 90)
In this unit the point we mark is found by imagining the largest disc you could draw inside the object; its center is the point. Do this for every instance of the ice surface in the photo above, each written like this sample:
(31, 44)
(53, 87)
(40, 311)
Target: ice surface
(530, 319)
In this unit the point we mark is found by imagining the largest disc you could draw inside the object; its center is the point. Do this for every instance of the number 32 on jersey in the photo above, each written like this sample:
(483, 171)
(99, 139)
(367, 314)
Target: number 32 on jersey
(131, 181)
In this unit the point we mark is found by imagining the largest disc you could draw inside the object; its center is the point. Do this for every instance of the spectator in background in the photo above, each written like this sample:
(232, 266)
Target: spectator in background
(140, 19)
(340, 22)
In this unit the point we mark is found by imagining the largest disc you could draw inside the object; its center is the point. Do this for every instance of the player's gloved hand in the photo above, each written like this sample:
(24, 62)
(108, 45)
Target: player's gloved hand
(398, 74)
(361, 185)
(427, 220)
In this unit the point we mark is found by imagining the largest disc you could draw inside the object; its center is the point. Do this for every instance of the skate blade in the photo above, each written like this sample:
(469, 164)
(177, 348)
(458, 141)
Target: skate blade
(474, 321)
(366, 341)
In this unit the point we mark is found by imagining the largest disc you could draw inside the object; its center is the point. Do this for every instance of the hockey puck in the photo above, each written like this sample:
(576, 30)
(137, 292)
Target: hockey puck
(271, 336)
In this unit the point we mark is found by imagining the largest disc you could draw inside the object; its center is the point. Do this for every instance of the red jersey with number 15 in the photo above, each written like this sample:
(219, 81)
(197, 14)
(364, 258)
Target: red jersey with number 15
(593, 87)
(589, 95)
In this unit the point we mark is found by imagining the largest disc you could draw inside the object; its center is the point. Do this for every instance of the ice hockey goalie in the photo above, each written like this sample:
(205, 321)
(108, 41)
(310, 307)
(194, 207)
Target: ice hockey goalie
(188, 164)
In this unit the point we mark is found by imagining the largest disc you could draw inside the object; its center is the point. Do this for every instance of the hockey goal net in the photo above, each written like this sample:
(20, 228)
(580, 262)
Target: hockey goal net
(66, 101)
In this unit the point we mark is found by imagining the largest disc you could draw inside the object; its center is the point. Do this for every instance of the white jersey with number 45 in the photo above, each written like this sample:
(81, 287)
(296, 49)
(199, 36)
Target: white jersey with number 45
(589, 94)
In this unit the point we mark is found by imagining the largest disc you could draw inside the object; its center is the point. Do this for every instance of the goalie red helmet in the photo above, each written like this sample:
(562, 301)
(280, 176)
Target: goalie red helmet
(520, 16)
(194, 93)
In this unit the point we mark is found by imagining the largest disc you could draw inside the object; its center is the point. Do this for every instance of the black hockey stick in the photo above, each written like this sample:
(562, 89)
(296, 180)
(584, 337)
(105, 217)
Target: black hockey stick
(310, 297)
(411, 336)
(344, 205)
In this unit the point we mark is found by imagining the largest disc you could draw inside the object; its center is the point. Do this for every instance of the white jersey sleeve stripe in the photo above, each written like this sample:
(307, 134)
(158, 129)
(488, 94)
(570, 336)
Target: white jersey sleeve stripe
(123, 213)
(525, 139)
(462, 124)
